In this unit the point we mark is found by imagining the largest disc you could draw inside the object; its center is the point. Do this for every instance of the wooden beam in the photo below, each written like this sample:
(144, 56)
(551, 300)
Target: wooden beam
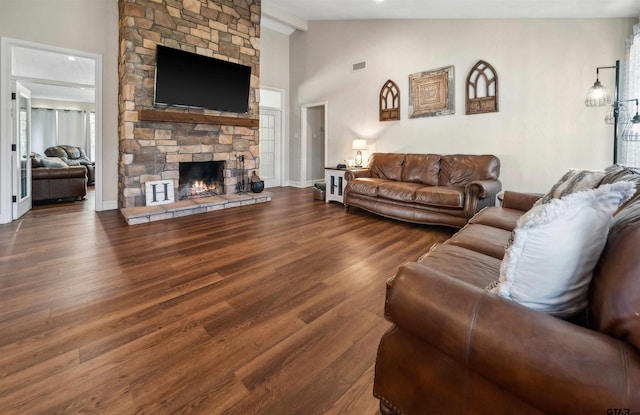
(187, 117)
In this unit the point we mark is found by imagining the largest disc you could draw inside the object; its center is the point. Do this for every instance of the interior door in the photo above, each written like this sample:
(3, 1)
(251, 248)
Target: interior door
(270, 141)
(21, 144)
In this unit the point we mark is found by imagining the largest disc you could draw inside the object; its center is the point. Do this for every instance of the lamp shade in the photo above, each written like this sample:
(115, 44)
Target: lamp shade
(597, 96)
(631, 129)
(359, 144)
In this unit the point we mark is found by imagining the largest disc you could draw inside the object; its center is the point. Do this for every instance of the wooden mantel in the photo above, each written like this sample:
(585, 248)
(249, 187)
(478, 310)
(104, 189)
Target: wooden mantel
(187, 117)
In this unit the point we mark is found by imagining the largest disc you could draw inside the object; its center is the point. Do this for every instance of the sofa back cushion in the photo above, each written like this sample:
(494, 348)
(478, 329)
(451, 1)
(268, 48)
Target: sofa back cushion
(72, 152)
(614, 306)
(56, 151)
(458, 170)
(386, 165)
(421, 168)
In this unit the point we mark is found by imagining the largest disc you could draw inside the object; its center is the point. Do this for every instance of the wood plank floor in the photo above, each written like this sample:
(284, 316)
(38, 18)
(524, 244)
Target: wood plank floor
(275, 308)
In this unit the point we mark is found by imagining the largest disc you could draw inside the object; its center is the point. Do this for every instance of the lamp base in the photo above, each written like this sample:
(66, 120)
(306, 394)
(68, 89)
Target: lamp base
(359, 158)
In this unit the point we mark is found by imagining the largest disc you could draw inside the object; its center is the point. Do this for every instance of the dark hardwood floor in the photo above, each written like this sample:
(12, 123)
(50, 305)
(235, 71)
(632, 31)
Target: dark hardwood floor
(275, 308)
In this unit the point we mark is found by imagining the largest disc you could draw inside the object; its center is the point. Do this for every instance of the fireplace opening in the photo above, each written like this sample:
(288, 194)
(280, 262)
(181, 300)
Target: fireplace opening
(200, 179)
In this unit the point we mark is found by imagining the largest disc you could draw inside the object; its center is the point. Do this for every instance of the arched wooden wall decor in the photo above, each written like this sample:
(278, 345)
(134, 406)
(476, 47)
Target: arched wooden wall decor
(389, 102)
(482, 89)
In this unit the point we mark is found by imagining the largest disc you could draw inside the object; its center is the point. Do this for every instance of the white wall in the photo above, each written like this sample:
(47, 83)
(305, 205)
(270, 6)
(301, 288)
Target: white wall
(544, 66)
(274, 73)
(87, 26)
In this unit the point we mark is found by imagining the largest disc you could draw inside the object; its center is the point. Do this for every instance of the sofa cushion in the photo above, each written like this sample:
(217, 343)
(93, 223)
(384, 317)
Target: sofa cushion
(451, 197)
(72, 152)
(481, 238)
(55, 151)
(458, 170)
(462, 264)
(400, 191)
(497, 217)
(36, 160)
(555, 246)
(617, 173)
(421, 168)
(54, 162)
(365, 185)
(573, 181)
(386, 165)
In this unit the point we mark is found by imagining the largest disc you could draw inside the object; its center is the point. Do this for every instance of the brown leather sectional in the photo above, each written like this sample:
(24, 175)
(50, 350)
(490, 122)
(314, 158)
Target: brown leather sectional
(425, 188)
(455, 348)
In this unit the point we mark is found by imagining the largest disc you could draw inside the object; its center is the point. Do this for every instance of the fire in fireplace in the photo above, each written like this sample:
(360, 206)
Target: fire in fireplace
(200, 179)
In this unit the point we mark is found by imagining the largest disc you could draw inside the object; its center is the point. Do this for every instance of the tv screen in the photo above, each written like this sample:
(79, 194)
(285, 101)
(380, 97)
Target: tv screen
(192, 80)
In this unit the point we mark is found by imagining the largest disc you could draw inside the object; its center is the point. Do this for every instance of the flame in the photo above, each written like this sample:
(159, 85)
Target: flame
(199, 187)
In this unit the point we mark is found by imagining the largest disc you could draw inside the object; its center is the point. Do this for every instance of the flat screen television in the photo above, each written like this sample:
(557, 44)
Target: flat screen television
(192, 80)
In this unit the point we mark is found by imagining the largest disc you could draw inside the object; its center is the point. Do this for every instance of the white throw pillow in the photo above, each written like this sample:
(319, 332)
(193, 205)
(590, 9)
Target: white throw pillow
(554, 248)
(54, 162)
(574, 180)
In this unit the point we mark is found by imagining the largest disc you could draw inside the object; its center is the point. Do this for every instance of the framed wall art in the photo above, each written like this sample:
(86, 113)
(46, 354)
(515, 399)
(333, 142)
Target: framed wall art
(432, 93)
(389, 102)
(482, 89)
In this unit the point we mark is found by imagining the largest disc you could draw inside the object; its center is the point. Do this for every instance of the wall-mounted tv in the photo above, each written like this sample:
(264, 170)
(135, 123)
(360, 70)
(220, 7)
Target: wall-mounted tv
(192, 80)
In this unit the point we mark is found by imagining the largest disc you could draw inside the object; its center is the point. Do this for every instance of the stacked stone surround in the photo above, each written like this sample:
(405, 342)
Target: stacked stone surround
(152, 150)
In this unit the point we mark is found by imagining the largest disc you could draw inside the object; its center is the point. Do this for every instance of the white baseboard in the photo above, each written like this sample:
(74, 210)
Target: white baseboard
(110, 205)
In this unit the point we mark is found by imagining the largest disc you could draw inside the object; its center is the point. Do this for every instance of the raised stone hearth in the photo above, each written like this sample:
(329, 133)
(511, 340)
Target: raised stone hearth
(146, 214)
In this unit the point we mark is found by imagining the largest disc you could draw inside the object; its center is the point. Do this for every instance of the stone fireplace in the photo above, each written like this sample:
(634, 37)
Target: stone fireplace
(156, 141)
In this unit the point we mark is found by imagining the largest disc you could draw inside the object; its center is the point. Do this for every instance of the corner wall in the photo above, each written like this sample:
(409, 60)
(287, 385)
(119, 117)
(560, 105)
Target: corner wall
(544, 66)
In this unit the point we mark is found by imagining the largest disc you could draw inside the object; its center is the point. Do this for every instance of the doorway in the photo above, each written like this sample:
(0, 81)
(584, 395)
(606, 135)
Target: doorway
(271, 132)
(313, 146)
(55, 76)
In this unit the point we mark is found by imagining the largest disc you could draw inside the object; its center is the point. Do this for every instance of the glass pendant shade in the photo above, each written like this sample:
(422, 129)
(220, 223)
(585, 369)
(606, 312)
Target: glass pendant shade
(597, 96)
(631, 130)
(609, 118)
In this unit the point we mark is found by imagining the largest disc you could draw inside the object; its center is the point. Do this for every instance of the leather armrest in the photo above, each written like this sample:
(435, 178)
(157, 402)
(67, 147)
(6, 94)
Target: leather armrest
(354, 174)
(554, 365)
(519, 201)
(485, 188)
(480, 194)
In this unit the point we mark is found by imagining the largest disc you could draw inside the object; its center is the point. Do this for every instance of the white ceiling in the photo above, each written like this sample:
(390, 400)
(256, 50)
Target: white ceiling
(310, 10)
(73, 80)
(455, 9)
(53, 75)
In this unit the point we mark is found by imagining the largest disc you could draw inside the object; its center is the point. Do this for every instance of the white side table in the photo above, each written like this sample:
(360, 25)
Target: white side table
(334, 179)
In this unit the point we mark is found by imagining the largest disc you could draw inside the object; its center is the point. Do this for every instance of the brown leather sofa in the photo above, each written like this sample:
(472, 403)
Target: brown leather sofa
(58, 183)
(455, 348)
(74, 156)
(424, 188)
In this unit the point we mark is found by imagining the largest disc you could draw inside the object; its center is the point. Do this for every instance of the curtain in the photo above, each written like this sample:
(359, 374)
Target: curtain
(44, 132)
(72, 129)
(629, 151)
(51, 127)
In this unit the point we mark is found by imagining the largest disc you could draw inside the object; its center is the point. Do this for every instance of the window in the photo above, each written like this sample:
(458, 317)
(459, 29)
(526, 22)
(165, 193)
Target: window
(629, 150)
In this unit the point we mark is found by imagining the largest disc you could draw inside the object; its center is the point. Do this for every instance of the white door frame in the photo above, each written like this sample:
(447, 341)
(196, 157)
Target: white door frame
(21, 205)
(304, 137)
(6, 181)
(283, 124)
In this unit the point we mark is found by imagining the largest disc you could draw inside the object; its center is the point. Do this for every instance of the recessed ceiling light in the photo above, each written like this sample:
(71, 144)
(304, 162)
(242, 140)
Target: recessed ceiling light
(71, 58)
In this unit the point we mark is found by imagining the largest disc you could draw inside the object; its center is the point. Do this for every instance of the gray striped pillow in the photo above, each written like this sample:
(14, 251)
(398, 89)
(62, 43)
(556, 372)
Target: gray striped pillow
(573, 181)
